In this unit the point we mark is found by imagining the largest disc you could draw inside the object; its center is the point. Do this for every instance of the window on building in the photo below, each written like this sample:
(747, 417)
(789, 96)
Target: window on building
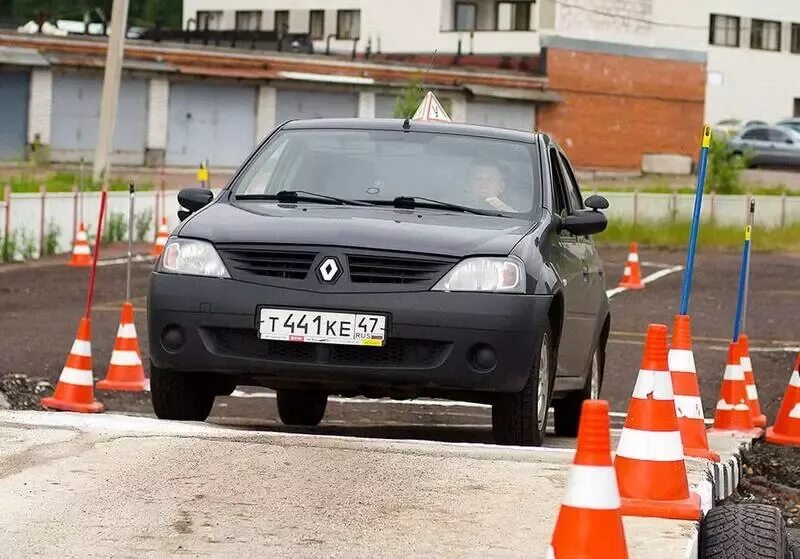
(209, 20)
(248, 20)
(316, 24)
(348, 24)
(282, 21)
(765, 35)
(724, 31)
(466, 16)
(795, 43)
(513, 16)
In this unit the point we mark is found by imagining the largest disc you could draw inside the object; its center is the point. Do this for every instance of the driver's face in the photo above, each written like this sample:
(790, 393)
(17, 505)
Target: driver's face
(485, 182)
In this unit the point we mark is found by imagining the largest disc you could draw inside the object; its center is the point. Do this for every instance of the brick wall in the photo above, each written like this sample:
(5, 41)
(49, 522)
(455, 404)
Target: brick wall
(617, 107)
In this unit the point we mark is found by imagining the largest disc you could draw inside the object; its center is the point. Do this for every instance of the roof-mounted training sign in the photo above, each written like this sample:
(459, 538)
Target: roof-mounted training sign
(431, 109)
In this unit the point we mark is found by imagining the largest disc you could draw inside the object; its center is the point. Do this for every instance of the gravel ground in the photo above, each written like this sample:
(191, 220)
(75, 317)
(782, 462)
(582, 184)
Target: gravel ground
(773, 478)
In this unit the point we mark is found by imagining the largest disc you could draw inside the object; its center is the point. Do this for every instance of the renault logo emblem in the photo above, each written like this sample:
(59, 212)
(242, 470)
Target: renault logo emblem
(329, 270)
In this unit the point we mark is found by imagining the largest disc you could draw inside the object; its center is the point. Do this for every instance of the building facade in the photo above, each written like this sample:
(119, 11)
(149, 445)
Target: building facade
(752, 48)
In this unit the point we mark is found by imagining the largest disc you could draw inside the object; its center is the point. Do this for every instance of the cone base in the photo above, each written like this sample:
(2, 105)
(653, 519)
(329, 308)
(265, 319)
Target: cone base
(62, 405)
(631, 285)
(755, 432)
(80, 263)
(683, 509)
(706, 453)
(760, 421)
(777, 438)
(123, 385)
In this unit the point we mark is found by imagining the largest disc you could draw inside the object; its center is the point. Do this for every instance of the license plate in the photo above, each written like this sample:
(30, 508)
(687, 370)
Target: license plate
(298, 325)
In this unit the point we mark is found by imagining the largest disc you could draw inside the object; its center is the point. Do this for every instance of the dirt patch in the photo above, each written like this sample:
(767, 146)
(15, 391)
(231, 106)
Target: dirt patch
(772, 477)
(23, 393)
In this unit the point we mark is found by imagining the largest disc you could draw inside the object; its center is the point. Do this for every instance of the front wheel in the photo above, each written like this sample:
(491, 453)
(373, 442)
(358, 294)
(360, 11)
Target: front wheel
(521, 418)
(181, 396)
(304, 408)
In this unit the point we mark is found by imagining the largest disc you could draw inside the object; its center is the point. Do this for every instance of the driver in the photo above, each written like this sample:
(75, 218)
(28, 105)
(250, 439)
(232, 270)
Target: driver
(485, 184)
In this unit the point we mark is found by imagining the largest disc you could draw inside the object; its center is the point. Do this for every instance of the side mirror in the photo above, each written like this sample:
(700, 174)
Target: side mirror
(596, 202)
(585, 222)
(789, 141)
(193, 199)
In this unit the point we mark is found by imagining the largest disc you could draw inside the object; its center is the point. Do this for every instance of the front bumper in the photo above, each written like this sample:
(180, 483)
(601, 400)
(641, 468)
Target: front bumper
(432, 340)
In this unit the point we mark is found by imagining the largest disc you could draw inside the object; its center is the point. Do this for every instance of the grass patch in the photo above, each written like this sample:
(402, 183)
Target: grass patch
(666, 234)
(665, 188)
(63, 181)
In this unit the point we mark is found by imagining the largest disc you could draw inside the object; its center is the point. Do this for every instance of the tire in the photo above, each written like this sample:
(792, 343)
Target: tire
(743, 531)
(181, 396)
(304, 408)
(567, 411)
(516, 418)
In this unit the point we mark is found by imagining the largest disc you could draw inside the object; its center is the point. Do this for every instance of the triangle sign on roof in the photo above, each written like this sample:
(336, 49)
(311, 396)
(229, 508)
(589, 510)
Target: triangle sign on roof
(431, 109)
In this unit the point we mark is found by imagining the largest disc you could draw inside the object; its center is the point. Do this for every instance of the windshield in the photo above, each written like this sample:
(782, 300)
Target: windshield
(380, 165)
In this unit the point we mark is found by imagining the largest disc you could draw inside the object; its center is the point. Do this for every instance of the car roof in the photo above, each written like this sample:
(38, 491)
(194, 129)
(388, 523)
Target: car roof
(391, 124)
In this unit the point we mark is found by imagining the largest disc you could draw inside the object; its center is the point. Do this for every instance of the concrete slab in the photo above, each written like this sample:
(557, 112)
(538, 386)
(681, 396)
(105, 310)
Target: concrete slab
(121, 485)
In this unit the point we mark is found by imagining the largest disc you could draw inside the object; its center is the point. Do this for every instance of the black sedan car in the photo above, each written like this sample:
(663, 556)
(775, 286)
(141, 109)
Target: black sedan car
(386, 258)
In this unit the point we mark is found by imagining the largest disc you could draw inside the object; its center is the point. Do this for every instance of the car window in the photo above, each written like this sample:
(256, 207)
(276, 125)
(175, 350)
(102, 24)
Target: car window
(573, 192)
(559, 191)
(380, 165)
(756, 134)
(776, 135)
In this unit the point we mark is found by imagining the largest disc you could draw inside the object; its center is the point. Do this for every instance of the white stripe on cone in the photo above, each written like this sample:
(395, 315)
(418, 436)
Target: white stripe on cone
(795, 413)
(655, 446)
(725, 406)
(657, 384)
(690, 407)
(82, 348)
(80, 377)
(125, 358)
(752, 392)
(81, 249)
(633, 257)
(627, 271)
(746, 364)
(592, 487)
(681, 360)
(733, 372)
(794, 380)
(551, 553)
(126, 331)
(81, 236)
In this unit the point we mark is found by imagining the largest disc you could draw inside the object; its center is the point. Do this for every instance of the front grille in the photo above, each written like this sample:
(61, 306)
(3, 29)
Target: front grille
(405, 352)
(270, 263)
(396, 270)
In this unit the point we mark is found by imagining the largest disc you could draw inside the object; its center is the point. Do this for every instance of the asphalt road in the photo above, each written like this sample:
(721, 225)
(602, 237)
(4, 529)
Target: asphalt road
(41, 307)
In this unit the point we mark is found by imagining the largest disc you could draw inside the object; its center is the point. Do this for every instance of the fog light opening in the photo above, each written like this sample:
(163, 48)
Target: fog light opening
(172, 337)
(483, 358)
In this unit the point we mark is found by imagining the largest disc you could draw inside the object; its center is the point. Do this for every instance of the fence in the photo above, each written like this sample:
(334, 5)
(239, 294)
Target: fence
(34, 215)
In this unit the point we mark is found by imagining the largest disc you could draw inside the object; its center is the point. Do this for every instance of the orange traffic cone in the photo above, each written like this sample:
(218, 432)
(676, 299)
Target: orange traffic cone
(732, 415)
(81, 253)
(632, 276)
(787, 425)
(649, 462)
(589, 524)
(161, 238)
(125, 371)
(75, 388)
(759, 419)
(686, 389)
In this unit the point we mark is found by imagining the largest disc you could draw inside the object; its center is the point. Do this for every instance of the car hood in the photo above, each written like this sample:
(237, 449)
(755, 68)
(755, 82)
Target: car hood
(382, 228)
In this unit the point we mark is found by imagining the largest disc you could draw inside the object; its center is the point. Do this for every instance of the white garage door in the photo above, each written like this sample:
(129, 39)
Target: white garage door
(210, 121)
(76, 117)
(516, 116)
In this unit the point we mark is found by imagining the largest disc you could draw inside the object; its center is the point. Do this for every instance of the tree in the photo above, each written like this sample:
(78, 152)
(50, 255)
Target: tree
(409, 99)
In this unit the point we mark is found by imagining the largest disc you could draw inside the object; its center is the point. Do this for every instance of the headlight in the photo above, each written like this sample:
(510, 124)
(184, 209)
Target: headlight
(192, 257)
(499, 275)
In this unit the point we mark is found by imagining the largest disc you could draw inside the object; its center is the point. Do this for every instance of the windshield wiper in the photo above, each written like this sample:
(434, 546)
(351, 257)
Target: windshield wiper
(294, 196)
(411, 202)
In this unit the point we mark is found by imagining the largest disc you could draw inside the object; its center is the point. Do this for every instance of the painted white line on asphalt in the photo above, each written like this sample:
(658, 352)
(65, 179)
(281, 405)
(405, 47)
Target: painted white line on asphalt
(647, 279)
